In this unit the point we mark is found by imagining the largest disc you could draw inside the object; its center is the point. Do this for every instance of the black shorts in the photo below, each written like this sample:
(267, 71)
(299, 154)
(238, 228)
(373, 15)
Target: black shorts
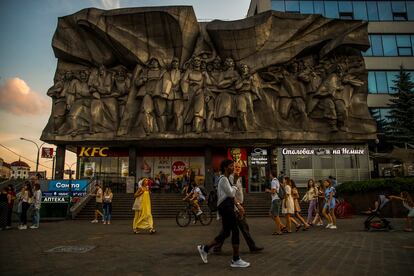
(98, 206)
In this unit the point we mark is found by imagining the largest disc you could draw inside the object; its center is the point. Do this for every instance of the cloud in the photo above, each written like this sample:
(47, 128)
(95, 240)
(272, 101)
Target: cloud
(109, 4)
(17, 98)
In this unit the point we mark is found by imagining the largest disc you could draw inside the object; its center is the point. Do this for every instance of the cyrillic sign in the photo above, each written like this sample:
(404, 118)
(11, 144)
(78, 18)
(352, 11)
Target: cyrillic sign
(323, 151)
(63, 185)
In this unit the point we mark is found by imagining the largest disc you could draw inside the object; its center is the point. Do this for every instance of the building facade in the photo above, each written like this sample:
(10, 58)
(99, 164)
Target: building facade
(20, 170)
(272, 91)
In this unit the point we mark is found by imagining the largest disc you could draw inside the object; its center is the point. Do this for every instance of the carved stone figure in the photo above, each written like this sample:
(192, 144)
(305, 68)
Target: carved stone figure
(122, 86)
(171, 87)
(104, 106)
(193, 86)
(247, 91)
(59, 103)
(154, 103)
(224, 111)
(79, 116)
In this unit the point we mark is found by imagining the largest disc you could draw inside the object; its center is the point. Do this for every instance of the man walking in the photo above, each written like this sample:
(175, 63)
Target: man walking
(37, 201)
(236, 180)
(275, 191)
(225, 204)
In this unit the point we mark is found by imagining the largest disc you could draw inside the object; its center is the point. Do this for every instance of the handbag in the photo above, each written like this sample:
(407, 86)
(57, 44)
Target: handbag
(137, 203)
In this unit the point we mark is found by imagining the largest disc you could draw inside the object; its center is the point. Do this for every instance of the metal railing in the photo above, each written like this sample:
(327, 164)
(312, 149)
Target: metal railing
(82, 201)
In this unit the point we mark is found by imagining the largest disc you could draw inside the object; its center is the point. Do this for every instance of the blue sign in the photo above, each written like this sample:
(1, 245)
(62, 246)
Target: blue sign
(60, 194)
(78, 185)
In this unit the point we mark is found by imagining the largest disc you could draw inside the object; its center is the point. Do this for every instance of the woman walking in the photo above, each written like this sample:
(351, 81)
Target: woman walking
(26, 198)
(143, 216)
(311, 197)
(295, 195)
(288, 205)
(320, 191)
(328, 209)
(107, 205)
(408, 203)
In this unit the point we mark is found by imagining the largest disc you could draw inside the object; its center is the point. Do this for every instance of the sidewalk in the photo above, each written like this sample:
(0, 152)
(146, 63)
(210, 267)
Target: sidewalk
(172, 250)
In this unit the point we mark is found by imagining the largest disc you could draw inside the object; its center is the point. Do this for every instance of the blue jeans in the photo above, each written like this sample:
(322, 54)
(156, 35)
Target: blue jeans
(107, 210)
(36, 217)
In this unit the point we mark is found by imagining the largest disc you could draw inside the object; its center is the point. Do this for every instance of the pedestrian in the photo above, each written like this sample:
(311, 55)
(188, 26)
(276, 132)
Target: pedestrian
(37, 202)
(409, 205)
(281, 176)
(236, 180)
(27, 198)
(19, 198)
(107, 205)
(3, 208)
(11, 197)
(295, 196)
(333, 181)
(98, 203)
(225, 203)
(143, 218)
(288, 206)
(311, 197)
(276, 205)
(319, 206)
(329, 207)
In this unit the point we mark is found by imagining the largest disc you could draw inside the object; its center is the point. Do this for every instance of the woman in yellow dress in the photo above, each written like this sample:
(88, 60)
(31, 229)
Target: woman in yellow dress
(143, 216)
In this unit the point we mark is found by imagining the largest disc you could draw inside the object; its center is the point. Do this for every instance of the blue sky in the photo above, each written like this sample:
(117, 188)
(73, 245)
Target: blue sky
(27, 62)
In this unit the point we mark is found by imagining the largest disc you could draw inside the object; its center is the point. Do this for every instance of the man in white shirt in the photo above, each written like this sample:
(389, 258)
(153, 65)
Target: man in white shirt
(276, 203)
(37, 201)
(225, 202)
(242, 222)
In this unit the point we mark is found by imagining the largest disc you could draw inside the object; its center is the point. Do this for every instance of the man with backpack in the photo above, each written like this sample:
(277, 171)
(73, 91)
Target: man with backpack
(278, 193)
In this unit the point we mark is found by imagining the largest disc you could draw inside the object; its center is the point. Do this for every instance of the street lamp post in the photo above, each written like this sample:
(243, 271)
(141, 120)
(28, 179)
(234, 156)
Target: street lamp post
(38, 151)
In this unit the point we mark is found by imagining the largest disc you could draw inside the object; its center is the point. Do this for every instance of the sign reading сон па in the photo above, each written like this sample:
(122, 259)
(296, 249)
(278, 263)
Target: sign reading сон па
(63, 185)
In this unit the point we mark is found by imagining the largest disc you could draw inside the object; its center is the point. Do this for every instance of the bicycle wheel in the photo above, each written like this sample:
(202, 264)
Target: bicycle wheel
(206, 217)
(183, 218)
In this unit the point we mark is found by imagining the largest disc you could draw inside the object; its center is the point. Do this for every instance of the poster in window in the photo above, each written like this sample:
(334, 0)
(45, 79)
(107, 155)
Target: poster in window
(146, 166)
(162, 168)
(124, 168)
(89, 169)
(198, 167)
(179, 166)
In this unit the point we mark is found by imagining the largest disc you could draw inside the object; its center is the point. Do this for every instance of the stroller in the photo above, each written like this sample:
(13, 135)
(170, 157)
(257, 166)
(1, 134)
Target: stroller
(375, 220)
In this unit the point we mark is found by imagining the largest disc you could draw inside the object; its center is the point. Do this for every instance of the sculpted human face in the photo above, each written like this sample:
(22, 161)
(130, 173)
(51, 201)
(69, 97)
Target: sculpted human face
(101, 70)
(154, 64)
(174, 64)
(83, 76)
(229, 63)
(245, 70)
(217, 64)
(196, 62)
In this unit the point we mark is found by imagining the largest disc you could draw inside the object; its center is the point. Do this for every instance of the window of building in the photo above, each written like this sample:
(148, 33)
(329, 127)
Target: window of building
(391, 76)
(390, 45)
(319, 7)
(306, 7)
(381, 81)
(376, 45)
(345, 10)
(331, 9)
(360, 10)
(372, 9)
(292, 6)
(404, 45)
(385, 11)
(410, 10)
(372, 85)
(399, 11)
(381, 116)
(278, 6)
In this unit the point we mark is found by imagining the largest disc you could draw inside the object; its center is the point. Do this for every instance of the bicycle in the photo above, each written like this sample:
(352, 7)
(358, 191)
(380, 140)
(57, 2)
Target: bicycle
(186, 215)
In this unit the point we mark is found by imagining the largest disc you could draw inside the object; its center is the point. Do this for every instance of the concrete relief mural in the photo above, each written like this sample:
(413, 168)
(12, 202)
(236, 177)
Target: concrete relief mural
(156, 73)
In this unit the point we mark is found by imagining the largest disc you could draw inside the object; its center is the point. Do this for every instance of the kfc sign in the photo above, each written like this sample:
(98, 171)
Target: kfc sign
(102, 152)
(47, 152)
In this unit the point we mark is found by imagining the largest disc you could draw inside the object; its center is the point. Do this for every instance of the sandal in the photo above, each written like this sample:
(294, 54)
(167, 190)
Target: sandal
(152, 231)
(136, 231)
(284, 230)
(298, 227)
(276, 233)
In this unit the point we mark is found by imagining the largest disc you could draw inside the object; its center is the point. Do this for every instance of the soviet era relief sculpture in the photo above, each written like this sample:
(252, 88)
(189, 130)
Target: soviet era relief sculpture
(212, 79)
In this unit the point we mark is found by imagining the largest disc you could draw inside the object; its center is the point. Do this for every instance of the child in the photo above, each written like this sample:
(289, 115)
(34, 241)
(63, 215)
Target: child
(409, 204)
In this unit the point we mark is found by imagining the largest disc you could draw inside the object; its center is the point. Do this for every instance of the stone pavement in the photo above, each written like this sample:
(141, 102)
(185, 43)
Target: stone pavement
(172, 251)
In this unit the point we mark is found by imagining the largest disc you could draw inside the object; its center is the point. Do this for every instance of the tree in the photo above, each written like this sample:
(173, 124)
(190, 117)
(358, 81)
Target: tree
(400, 126)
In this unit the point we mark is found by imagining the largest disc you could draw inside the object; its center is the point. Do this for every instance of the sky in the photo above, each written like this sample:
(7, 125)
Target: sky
(27, 63)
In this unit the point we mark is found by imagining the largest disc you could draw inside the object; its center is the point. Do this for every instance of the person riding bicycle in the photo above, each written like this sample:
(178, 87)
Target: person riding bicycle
(196, 197)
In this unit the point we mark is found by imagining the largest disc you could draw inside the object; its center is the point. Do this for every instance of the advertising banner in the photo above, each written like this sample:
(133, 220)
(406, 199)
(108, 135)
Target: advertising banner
(47, 152)
(179, 166)
(78, 185)
(198, 167)
(89, 169)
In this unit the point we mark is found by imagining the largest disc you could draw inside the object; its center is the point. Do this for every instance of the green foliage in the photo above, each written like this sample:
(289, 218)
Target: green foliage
(400, 126)
(392, 185)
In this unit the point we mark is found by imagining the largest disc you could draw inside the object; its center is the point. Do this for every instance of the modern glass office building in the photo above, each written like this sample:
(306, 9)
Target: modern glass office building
(391, 34)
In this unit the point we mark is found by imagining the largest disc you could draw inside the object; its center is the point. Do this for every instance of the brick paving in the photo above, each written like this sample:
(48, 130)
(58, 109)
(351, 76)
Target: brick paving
(172, 251)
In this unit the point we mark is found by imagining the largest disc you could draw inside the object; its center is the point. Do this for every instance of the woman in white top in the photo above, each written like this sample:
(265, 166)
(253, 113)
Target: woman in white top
(107, 205)
(26, 201)
(288, 205)
(311, 196)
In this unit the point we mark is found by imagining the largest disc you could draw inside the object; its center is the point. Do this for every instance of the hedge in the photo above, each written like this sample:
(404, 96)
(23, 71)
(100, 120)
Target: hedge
(392, 185)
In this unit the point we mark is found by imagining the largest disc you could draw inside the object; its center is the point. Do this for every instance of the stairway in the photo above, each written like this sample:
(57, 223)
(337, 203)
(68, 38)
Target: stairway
(166, 205)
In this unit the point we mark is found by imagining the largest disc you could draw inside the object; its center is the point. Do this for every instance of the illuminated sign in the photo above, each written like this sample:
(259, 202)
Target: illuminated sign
(93, 151)
(259, 157)
(323, 151)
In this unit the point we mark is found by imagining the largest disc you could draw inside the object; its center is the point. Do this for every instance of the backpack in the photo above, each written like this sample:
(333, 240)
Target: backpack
(212, 200)
(203, 190)
(281, 194)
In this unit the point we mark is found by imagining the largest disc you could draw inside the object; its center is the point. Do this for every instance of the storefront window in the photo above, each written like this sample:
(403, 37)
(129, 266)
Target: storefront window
(324, 162)
(346, 162)
(301, 162)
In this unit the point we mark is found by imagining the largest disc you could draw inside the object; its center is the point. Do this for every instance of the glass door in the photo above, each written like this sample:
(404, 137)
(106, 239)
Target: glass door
(257, 177)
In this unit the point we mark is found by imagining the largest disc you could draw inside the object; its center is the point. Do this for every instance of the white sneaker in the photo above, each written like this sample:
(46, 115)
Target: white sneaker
(94, 221)
(203, 254)
(319, 224)
(329, 225)
(23, 227)
(333, 227)
(34, 227)
(239, 263)
(199, 212)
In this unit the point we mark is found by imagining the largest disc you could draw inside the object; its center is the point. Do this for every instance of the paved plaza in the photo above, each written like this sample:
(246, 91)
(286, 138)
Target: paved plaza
(172, 250)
